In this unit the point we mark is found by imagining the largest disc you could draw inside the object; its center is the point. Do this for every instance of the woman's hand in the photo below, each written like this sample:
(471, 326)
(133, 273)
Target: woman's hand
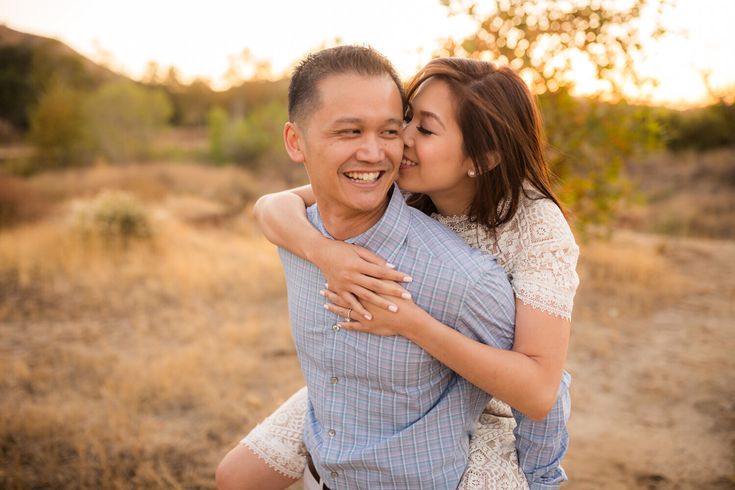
(357, 276)
(405, 321)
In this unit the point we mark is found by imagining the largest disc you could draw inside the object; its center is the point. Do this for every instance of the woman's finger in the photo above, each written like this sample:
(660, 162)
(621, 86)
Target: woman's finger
(334, 298)
(383, 272)
(379, 268)
(357, 310)
(368, 296)
(356, 305)
(386, 288)
(355, 326)
(347, 313)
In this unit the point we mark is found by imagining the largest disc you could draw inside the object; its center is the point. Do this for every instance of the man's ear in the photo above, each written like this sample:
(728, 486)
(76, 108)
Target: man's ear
(293, 139)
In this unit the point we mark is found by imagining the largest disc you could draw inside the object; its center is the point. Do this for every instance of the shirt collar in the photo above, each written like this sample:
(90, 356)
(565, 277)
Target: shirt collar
(388, 234)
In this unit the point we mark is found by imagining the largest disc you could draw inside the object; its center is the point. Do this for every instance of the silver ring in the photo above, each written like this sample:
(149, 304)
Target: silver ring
(349, 312)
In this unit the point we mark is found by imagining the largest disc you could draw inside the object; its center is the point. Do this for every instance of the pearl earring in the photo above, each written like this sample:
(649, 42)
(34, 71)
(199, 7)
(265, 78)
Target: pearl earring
(472, 174)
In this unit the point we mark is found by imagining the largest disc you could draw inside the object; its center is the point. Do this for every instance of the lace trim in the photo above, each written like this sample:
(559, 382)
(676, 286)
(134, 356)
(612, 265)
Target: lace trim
(279, 439)
(536, 249)
(267, 459)
(560, 312)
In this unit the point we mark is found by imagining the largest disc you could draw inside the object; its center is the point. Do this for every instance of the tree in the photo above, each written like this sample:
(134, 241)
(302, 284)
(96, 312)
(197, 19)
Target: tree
(548, 42)
(124, 118)
(58, 129)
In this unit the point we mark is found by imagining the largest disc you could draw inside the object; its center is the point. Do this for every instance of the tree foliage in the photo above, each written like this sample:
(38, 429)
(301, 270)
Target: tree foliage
(549, 42)
(247, 139)
(58, 127)
(124, 118)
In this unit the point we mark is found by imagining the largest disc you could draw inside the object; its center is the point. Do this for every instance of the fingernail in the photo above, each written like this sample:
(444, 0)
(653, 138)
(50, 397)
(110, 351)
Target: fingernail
(326, 286)
(326, 307)
(393, 308)
(368, 317)
(407, 279)
(389, 265)
(321, 292)
(406, 295)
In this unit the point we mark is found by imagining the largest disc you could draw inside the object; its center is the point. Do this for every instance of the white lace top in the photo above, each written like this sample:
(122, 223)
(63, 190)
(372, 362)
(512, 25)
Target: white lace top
(536, 248)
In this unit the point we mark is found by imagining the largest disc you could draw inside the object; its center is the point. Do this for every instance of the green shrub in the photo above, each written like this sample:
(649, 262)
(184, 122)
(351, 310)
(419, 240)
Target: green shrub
(112, 216)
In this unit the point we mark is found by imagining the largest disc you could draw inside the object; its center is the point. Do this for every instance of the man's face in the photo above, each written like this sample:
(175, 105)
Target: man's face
(351, 143)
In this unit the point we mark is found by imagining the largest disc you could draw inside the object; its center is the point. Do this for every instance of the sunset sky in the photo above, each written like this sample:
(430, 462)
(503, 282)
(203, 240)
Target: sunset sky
(200, 37)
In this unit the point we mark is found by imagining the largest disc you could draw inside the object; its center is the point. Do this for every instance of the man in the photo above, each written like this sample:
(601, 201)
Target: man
(382, 412)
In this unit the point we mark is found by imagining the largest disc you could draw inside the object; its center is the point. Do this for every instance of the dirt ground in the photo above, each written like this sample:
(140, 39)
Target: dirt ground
(654, 393)
(142, 367)
(653, 390)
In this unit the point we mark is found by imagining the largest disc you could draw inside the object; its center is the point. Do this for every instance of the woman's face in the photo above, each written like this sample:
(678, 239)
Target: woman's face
(433, 160)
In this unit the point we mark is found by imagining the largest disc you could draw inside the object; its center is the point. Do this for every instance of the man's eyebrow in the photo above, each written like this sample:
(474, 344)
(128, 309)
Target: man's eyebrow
(433, 116)
(357, 120)
(348, 120)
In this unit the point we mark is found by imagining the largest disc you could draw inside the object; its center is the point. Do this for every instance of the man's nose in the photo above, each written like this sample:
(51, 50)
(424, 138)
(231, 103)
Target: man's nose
(371, 150)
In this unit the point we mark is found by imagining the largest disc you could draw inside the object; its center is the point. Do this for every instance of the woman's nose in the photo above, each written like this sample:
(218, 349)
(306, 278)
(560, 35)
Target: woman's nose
(408, 134)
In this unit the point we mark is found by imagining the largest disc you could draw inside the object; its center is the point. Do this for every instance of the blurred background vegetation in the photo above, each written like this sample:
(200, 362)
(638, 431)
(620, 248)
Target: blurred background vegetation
(143, 318)
(70, 112)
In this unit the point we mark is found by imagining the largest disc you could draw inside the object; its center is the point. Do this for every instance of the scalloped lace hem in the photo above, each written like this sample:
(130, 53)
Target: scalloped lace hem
(288, 473)
(559, 312)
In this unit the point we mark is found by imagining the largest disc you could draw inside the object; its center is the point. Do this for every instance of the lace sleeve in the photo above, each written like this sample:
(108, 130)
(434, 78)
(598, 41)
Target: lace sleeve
(544, 274)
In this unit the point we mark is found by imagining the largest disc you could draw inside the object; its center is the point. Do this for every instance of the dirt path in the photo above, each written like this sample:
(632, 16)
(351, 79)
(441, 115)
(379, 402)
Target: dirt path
(654, 396)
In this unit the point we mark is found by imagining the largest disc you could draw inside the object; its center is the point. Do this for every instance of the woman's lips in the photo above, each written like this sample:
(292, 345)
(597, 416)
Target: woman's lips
(407, 163)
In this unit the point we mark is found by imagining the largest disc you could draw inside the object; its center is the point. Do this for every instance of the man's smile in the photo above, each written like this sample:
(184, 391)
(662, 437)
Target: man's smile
(360, 176)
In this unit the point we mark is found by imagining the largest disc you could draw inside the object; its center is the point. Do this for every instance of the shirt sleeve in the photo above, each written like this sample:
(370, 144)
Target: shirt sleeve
(488, 310)
(544, 274)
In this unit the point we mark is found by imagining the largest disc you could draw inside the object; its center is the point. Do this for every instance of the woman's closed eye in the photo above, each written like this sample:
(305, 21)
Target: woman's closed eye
(423, 130)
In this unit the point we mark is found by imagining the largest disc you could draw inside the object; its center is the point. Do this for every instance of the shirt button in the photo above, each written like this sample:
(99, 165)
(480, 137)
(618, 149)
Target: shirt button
(336, 327)
(332, 432)
(335, 380)
(334, 474)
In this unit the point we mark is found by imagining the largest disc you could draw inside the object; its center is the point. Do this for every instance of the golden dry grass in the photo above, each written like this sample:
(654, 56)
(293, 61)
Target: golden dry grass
(135, 366)
(140, 365)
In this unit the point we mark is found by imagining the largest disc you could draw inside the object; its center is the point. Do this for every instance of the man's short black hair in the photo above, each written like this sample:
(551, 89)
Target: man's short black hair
(303, 92)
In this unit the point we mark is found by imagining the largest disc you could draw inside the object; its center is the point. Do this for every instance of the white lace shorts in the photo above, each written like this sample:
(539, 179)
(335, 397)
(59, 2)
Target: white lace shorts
(492, 463)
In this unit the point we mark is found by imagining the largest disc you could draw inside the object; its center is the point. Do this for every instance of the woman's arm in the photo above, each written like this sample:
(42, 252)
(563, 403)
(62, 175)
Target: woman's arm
(281, 217)
(353, 272)
(527, 377)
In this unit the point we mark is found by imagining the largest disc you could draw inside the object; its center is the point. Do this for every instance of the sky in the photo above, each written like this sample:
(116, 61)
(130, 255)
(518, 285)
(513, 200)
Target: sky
(200, 38)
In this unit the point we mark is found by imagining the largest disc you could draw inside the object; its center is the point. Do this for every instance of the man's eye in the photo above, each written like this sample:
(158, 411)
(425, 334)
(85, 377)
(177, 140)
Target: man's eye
(392, 132)
(423, 130)
(349, 132)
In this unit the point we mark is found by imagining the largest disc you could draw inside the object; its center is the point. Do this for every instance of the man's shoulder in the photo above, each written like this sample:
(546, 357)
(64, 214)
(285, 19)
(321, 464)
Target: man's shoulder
(437, 242)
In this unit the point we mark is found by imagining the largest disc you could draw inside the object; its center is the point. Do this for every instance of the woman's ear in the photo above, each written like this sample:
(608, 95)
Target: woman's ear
(293, 140)
(493, 160)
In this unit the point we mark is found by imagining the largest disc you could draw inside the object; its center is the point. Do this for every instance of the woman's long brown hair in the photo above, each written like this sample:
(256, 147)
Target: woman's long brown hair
(498, 117)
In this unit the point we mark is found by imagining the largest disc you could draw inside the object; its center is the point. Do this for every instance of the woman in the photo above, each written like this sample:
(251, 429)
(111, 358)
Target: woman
(473, 160)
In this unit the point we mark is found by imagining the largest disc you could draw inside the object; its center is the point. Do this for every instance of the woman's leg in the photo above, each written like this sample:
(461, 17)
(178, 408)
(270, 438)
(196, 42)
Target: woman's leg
(272, 455)
(493, 463)
(242, 469)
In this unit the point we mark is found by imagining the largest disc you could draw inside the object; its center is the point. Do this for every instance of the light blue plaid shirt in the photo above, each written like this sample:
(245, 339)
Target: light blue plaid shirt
(382, 412)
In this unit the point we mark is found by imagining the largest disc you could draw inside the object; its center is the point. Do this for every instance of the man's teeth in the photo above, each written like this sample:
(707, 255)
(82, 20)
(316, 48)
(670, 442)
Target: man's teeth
(405, 162)
(363, 176)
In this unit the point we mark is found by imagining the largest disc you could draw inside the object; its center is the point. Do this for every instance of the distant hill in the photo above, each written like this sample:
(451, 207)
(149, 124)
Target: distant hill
(29, 62)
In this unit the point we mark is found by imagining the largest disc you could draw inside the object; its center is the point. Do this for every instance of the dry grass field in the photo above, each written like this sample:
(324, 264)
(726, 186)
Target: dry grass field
(143, 332)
